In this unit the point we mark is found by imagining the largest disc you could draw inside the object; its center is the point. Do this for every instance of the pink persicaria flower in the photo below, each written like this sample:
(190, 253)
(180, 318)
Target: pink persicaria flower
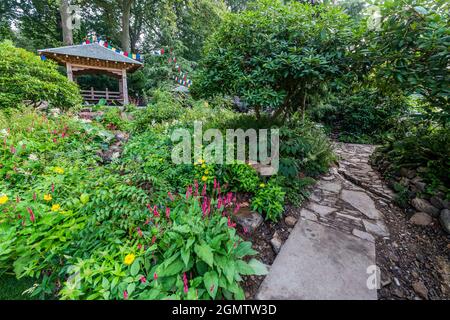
(204, 190)
(155, 276)
(229, 197)
(54, 140)
(139, 246)
(170, 195)
(196, 188)
(125, 295)
(139, 231)
(188, 192)
(236, 209)
(53, 187)
(155, 212)
(219, 202)
(12, 149)
(17, 199)
(245, 230)
(230, 223)
(167, 212)
(185, 283)
(153, 239)
(32, 217)
(143, 280)
(215, 184)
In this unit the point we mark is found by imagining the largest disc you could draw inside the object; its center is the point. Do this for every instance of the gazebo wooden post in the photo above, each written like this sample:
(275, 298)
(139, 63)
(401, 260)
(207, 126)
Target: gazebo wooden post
(124, 87)
(69, 71)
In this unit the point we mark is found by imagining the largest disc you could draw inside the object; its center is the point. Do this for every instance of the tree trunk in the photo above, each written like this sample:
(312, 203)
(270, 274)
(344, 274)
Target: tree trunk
(66, 23)
(126, 13)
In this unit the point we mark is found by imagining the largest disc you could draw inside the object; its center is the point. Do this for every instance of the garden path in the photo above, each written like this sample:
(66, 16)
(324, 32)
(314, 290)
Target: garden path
(330, 253)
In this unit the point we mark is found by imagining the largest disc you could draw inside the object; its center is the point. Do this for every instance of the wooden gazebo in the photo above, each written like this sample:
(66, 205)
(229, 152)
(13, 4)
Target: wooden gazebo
(95, 59)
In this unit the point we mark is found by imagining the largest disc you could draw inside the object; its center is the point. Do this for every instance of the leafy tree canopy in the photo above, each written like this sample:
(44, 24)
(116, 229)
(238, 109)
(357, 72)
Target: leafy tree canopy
(277, 55)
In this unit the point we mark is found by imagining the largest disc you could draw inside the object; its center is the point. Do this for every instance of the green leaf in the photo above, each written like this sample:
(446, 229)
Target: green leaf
(421, 10)
(130, 288)
(211, 281)
(244, 249)
(258, 267)
(185, 255)
(135, 267)
(84, 198)
(204, 252)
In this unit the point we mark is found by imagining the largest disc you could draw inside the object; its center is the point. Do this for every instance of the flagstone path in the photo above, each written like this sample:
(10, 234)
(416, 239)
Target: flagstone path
(329, 251)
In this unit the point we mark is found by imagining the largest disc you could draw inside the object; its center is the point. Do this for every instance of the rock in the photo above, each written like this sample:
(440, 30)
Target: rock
(424, 206)
(276, 242)
(290, 221)
(248, 219)
(421, 219)
(363, 235)
(322, 210)
(422, 169)
(330, 186)
(404, 181)
(121, 136)
(377, 228)
(418, 184)
(445, 219)
(420, 288)
(407, 173)
(361, 201)
(306, 214)
(439, 202)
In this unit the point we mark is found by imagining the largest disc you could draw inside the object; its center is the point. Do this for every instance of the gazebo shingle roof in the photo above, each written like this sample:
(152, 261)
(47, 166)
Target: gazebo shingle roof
(93, 51)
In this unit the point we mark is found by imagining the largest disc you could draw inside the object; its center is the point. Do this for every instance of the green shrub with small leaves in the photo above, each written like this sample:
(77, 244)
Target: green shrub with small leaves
(25, 78)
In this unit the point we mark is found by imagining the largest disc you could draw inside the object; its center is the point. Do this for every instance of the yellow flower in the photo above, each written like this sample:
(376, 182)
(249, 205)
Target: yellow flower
(200, 161)
(58, 170)
(48, 197)
(262, 185)
(207, 172)
(56, 207)
(129, 259)
(3, 199)
(204, 178)
(203, 166)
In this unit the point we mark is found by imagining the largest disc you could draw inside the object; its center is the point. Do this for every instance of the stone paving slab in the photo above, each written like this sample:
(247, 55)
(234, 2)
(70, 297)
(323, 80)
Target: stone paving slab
(318, 262)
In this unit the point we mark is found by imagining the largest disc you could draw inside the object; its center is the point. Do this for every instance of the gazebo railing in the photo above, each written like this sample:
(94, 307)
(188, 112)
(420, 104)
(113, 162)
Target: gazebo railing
(96, 95)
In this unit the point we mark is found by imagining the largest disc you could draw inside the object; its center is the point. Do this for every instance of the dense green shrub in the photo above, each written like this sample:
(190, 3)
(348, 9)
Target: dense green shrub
(277, 55)
(24, 77)
(364, 115)
(269, 199)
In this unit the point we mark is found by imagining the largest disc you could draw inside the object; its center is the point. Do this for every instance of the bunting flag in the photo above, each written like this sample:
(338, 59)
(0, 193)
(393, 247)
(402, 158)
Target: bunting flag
(103, 43)
(182, 77)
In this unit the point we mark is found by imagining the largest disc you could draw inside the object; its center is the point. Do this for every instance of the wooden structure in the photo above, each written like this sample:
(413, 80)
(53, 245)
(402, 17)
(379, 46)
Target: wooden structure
(95, 59)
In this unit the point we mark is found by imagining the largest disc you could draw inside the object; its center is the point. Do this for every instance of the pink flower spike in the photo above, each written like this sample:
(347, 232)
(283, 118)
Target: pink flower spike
(219, 203)
(12, 149)
(143, 280)
(125, 295)
(215, 184)
(170, 195)
(53, 187)
(17, 199)
(139, 232)
(204, 190)
(32, 217)
(196, 188)
(155, 212)
(155, 276)
(139, 246)
(185, 283)
(167, 212)
(245, 230)
(231, 224)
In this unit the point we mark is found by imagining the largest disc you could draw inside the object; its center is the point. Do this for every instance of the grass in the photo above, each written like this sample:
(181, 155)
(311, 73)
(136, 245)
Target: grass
(12, 288)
